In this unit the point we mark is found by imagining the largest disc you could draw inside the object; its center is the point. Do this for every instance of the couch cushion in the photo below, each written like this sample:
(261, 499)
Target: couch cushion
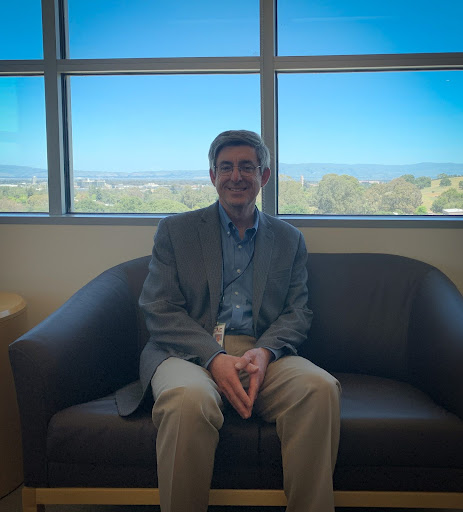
(91, 445)
(384, 424)
(390, 423)
(393, 436)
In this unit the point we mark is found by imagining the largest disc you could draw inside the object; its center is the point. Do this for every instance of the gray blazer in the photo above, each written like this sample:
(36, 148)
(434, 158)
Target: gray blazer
(182, 292)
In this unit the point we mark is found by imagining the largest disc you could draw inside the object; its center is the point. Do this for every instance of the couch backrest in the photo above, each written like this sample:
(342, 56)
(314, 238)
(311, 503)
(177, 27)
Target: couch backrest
(134, 272)
(362, 305)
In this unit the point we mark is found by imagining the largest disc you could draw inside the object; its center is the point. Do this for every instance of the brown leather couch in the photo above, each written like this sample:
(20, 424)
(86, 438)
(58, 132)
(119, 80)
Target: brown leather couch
(390, 328)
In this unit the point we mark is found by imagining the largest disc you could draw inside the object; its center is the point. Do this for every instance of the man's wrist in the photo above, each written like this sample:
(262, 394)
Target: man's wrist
(276, 353)
(209, 361)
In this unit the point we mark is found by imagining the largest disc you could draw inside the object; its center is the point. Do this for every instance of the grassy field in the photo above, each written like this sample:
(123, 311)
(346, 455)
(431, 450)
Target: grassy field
(430, 194)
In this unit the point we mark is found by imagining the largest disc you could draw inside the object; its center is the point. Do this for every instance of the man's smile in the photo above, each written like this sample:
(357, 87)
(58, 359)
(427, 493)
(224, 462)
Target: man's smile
(236, 189)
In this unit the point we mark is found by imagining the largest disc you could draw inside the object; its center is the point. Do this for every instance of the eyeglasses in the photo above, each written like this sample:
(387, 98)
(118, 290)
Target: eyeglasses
(245, 169)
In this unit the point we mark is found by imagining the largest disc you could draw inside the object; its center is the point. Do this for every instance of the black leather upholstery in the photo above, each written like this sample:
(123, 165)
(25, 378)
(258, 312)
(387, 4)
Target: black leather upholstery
(390, 328)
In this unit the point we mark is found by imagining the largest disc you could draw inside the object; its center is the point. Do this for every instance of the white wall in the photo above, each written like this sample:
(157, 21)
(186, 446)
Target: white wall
(46, 264)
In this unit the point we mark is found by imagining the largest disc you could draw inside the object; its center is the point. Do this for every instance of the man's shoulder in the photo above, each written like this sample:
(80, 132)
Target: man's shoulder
(189, 218)
(279, 226)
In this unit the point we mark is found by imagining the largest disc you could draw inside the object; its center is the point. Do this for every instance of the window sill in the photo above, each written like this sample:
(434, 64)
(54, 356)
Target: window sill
(300, 221)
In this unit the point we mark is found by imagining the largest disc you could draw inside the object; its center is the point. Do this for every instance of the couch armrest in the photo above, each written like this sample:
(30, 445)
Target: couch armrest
(436, 341)
(86, 349)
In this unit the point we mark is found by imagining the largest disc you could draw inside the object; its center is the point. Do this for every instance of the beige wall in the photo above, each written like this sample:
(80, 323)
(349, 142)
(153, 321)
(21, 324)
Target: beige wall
(46, 264)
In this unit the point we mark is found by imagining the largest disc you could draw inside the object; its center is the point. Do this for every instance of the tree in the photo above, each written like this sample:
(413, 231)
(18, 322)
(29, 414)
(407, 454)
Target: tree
(408, 177)
(421, 210)
(130, 204)
(401, 197)
(341, 195)
(165, 206)
(88, 205)
(189, 197)
(451, 198)
(423, 182)
(374, 199)
(198, 197)
(38, 203)
(10, 205)
(445, 182)
(293, 198)
(397, 196)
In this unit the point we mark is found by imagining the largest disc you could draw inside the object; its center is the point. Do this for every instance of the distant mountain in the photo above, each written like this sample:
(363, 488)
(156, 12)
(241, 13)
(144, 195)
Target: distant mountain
(17, 171)
(379, 172)
(25, 173)
(310, 172)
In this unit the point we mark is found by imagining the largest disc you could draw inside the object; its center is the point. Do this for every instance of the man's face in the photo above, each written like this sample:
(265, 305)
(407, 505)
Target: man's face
(237, 191)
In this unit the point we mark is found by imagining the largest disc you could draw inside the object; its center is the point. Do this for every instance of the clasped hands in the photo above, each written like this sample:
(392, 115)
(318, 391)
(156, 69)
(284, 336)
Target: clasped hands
(225, 368)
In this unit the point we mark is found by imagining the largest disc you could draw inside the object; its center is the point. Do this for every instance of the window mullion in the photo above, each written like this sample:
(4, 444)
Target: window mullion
(53, 107)
(268, 98)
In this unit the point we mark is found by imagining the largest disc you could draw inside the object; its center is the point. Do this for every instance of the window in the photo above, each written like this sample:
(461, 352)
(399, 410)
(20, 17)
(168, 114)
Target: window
(360, 102)
(23, 160)
(23, 147)
(137, 28)
(369, 143)
(356, 27)
(21, 30)
(140, 142)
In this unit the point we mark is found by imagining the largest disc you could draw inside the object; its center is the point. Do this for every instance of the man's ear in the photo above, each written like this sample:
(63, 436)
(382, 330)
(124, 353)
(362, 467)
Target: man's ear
(265, 176)
(212, 176)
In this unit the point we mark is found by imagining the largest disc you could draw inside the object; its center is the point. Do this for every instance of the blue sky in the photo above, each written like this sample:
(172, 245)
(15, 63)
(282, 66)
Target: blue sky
(167, 122)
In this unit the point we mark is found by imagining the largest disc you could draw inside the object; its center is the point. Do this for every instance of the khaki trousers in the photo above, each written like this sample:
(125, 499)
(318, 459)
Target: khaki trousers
(301, 398)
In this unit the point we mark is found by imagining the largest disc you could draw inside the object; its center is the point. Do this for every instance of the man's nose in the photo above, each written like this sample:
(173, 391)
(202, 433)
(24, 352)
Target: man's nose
(236, 173)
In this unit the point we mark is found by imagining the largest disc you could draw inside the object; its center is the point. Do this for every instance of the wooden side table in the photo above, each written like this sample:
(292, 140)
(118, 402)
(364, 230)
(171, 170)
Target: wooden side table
(12, 325)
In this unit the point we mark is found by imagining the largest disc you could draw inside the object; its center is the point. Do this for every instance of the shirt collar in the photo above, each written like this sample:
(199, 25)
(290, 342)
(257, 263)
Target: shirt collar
(228, 225)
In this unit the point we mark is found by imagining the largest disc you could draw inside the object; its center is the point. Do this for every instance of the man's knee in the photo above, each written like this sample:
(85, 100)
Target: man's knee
(311, 385)
(193, 405)
(322, 387)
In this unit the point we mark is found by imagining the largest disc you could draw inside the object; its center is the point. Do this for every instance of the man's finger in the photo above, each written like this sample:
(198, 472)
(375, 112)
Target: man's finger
(243, 361)
(250, 368)
(253, 389)
(240, 401)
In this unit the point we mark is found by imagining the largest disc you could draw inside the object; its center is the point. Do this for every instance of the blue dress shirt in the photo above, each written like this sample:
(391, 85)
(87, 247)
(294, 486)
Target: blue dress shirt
(236, 304)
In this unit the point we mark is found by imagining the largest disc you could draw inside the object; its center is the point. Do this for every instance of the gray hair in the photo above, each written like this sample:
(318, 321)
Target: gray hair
(239, 138)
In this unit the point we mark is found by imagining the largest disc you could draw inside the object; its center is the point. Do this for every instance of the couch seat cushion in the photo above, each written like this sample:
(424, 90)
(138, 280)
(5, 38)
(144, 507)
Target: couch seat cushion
(384, 423)
(390, 423)
(91, 445)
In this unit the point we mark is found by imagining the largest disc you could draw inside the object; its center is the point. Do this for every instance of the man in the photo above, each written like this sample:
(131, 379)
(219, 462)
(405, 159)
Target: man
(225, 303)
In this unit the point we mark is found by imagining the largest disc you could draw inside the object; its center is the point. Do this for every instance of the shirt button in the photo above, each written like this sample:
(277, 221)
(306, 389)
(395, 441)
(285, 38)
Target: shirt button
(239, 271)
(232, 328)
(236, 293)
(238, 306)
(240, 246)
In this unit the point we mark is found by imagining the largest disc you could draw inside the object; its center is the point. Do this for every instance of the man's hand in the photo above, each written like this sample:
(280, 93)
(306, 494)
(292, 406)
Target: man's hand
(255, 362)
(225, 369)
(225, 374)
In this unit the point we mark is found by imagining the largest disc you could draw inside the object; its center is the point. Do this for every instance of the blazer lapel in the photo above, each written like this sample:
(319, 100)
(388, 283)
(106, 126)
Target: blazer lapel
(262, 259)
(211, 246)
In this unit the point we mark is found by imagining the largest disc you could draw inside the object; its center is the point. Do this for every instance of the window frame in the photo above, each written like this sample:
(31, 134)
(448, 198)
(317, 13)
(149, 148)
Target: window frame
(57, 69)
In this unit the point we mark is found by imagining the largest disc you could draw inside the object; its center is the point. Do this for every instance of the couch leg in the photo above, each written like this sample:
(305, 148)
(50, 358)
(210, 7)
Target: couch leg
(29, 498)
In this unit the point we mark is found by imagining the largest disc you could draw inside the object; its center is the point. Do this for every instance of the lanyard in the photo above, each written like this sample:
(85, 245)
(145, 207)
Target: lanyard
(233, 280)
(240, 275)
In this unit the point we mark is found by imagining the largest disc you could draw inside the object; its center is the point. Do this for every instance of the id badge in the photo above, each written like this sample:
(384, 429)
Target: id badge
(219, 333)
